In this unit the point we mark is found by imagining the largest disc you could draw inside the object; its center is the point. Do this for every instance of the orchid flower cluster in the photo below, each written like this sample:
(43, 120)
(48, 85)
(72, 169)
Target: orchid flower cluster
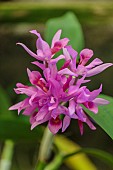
(58, 95)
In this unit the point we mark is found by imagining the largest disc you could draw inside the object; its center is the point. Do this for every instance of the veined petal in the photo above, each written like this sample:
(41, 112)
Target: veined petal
(98, 69)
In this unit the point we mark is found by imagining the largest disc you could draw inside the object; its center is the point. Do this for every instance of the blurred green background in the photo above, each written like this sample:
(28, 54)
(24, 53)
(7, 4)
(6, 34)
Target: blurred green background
(16, 19)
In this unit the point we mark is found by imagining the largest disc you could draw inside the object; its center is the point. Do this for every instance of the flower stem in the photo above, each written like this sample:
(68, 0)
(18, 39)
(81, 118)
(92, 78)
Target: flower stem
(45, 149)
(6, 157)
(56, 163)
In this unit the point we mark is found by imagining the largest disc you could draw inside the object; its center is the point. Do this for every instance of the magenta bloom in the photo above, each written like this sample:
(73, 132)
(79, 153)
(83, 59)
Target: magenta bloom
(80, 68)
(44, 52)
(58, 96)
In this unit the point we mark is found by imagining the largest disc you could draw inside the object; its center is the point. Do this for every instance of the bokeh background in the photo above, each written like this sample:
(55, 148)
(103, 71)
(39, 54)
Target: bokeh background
(16, 19)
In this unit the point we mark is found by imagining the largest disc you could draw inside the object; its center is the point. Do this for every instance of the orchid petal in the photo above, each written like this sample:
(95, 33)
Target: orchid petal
(95, 93)
(90, 124)
(57, 59)
(63, 42)
(32, 98)
(98, 69)
(66, 71)
(29, 110)
(29, 91)
(66, 54)
(100, 101)
(66, 123)
(42, 66)
(28, 50)
(36, 123)
(72, 52)
(41, 113)
(80, 113)
(56, 37)
(35, 32)
(80, 123)
(91, 106)
(34, 76)
(54, 125)
(85, 55)
(71, 107)
(20, 106)
(94, 63)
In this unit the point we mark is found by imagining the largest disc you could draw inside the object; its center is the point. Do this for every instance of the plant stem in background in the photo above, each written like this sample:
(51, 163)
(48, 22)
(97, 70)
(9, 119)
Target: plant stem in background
(6, 156)
(45, 149)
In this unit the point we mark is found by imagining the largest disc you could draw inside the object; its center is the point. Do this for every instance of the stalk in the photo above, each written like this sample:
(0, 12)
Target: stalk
(45, 149)
(6, 156)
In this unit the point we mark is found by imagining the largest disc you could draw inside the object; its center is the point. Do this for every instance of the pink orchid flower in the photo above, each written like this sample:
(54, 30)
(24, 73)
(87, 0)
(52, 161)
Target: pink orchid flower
(57, 96)
(44, 52)
(80, 68)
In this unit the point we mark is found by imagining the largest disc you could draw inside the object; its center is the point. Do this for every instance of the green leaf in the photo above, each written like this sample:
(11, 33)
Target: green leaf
(71, 29)
(17, 129)
(102, 155)
(104, 117)
(4, 104)
(66, 146)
